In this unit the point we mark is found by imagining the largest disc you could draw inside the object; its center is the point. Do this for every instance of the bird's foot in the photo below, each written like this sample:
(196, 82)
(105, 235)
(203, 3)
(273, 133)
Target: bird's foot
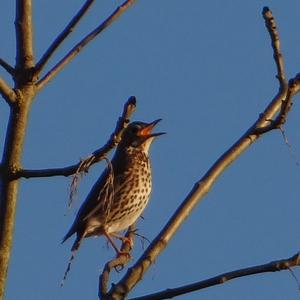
(126, 240)
(122, 259)
(123, 253)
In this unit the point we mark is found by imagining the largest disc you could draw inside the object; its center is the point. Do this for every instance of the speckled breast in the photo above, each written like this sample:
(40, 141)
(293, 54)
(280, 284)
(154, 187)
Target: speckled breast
(131, 193)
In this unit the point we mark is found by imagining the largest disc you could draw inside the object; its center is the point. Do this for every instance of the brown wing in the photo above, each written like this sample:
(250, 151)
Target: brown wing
(93, 200)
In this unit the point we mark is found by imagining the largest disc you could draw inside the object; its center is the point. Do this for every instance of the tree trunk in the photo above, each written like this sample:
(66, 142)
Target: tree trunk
(11, 162)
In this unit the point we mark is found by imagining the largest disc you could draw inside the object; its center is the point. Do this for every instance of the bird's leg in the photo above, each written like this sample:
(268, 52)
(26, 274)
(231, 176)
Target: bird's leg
(110, 240)
(123, 256)
(124, 239)
(119, 252)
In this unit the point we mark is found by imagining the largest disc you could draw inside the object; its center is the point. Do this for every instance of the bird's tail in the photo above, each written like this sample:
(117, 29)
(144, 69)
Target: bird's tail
(74, 250)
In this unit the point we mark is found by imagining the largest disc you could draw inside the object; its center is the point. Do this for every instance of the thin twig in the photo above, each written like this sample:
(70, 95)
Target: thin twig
(78, 47)
(7, 67)
(290, 148)
(294, 277)
(96, 156)
(265, 122)
(274, 266)
(288, 89)
(7, 92)
(200, 189)
(62, 36)
(272, 29)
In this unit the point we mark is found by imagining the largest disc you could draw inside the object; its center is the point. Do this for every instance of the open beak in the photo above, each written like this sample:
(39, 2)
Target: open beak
(147, 131)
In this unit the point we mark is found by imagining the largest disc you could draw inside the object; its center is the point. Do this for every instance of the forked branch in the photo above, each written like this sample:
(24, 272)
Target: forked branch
(96, 156)
(201, 188)
(78, 47)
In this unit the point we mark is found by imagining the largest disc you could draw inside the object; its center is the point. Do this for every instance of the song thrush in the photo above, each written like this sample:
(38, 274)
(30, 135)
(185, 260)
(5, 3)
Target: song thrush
(121, 193)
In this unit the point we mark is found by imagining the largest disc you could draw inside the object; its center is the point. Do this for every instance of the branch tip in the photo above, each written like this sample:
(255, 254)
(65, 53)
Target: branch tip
(266, 10)
(132, 100)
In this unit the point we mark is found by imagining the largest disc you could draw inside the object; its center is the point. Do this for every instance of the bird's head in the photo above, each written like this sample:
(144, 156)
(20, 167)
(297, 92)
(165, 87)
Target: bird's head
(139, 135)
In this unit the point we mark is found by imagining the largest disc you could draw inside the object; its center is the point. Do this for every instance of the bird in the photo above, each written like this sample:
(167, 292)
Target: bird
(120, 195)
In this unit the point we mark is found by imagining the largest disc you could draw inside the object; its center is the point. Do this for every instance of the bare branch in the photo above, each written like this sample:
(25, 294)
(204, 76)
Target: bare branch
(78, 47)
(7, 67)
(201, 188)
(32, 173)
(15, 133)
(62, 36)
(271, 27)
(274, 266)
(7, 92)
(23, 24)
(265, 122)
(96, 156)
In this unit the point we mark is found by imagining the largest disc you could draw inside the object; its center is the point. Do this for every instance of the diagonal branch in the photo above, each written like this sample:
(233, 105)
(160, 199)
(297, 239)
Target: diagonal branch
(274, 266)
(78, 47)
(7, 67)
(202, 187)
(7, 92)
(62, 36)
(96, 156)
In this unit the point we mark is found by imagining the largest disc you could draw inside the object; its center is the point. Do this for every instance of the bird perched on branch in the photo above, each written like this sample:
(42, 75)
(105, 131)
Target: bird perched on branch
(121, 194)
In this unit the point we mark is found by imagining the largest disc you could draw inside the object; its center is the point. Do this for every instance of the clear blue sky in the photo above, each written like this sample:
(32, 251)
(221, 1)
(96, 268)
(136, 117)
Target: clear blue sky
(206, 69)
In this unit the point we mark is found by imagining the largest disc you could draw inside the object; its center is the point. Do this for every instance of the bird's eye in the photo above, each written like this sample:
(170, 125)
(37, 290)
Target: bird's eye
(135, 129)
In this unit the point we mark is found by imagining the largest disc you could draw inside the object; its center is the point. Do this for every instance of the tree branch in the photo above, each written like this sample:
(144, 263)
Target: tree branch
(62, 36)
(15, 133)
(271, 27)
(293, 89)
(265, 122)
(96, 156)
(24, 39)
(285, 90)
(202, 187)
(7, 92)
(78, 47)
(7, 67)
(286, 104)
(117, 263)
(274, 266)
